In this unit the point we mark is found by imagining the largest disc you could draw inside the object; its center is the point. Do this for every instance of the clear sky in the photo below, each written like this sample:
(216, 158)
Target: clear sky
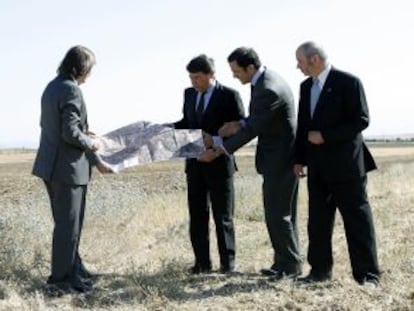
(142, 48)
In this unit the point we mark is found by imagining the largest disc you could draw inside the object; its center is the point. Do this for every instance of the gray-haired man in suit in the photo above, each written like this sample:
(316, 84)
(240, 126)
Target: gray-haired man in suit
(271, 119)
(333, 111)
(64, 161)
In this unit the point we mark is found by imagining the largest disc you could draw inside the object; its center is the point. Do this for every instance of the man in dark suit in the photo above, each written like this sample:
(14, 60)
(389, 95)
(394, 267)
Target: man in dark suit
(64, 161)
(332, 114)
(271, 119)
(207, 106)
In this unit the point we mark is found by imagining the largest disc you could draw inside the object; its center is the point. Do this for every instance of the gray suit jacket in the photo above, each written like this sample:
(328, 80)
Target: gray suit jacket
(272, 119)
(64, 153)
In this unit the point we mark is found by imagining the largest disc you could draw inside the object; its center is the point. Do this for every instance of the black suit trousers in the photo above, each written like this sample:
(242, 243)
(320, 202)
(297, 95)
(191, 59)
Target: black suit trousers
(68, 209)
(218, 191)
(350, 197)
(280, 194)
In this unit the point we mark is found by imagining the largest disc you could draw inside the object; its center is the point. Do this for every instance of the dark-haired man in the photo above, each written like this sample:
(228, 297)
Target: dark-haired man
(271, 119)
(64, 160)
(207, 106)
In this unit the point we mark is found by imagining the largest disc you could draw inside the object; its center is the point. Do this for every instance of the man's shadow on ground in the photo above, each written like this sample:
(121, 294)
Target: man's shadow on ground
(138, 287)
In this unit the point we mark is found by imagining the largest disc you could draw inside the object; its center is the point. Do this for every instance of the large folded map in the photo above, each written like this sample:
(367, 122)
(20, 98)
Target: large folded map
(144, 142)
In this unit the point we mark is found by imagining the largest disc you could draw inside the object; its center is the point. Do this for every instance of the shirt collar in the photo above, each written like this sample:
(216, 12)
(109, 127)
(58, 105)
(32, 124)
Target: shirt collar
(324, 75)
(210, 88)
(257, 75)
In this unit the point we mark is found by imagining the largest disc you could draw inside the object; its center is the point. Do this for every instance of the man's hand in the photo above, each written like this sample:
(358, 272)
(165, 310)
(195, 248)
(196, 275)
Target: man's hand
(229, 128)
(171, 125)
(104, 168)
(299, 171)
(208, 140)
(209, 155)
(96, 144)
(315, 137)
(90, 133)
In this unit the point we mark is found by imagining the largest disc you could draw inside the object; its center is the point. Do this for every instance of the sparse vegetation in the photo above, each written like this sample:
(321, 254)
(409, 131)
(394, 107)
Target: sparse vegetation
(136, 234)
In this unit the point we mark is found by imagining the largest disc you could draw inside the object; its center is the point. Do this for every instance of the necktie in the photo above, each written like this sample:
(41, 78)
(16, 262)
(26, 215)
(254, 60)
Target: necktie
(200, 109)
(315, 92)
(251, 90)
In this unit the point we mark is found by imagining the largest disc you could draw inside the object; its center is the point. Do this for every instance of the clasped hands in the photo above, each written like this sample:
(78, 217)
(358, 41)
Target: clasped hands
(212, 152)
(315, 137)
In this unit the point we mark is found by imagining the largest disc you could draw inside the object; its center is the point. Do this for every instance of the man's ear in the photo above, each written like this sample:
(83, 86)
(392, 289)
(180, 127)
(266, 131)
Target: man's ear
(315, 59)
(250, 68)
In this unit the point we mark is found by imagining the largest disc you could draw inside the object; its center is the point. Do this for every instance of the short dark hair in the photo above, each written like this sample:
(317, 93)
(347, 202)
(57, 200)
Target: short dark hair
(77, 62)
(201, 63)
(244, 57)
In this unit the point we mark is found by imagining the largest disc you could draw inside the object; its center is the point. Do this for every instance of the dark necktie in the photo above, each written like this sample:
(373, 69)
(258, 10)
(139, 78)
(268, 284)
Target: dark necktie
(200, 109)
(251, 90)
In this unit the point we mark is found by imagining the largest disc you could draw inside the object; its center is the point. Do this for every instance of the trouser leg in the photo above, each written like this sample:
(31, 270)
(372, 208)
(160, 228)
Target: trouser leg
(280, 204)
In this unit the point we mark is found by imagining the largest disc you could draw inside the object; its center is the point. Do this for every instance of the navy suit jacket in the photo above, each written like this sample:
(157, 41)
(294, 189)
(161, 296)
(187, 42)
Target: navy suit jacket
(225, 105)
(341, 114)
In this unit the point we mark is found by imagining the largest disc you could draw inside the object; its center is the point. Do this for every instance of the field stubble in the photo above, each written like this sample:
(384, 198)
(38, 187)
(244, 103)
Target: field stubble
(136, 234)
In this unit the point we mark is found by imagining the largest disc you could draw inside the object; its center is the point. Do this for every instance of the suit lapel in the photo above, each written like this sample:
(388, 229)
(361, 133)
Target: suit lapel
(326, 90)
(192, 102)
(257, 88)
(213, 98)
(212, 102)
(307, 96)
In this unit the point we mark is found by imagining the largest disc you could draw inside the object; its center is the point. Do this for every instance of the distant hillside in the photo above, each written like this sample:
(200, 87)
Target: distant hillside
(391, 137)
(16, 150)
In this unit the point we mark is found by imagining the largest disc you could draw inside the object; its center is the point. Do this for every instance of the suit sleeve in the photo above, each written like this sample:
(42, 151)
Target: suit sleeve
(236, 108)
(356, 117)
(301, 134)
(93, 158)
(183, 123)
(71, 109)
(265, 104)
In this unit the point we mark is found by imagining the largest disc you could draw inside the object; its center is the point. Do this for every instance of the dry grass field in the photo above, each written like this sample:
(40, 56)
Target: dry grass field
(136, 236)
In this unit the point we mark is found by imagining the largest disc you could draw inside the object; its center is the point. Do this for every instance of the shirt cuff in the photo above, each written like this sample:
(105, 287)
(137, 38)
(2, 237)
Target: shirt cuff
(218, 143)
(243, 123)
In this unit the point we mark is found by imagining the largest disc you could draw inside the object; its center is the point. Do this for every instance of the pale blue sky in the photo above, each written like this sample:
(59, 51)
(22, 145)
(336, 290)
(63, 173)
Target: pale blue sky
(142, 48)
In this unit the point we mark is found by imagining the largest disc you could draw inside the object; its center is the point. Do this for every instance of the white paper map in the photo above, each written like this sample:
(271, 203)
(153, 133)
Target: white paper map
(144, 142)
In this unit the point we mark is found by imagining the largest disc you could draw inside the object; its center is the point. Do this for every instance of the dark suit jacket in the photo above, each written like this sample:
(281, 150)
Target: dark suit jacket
(272, 119)
(340, 114)
(63, 151)
(225, 105)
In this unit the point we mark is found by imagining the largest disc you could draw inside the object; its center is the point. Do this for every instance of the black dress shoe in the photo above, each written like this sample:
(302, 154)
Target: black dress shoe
(86, 274)
(227, 270)
(284, 275)
(316, 277)
(369, 281)
(197, 269)
(81, 285)
(58, 289)
(273, 270)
